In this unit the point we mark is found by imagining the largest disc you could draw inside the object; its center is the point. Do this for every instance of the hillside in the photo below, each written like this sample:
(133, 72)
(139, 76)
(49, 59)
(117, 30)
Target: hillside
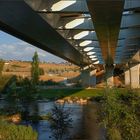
(52, 71)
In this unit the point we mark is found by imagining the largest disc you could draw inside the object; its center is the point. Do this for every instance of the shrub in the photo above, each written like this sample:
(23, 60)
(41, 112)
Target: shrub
(50, 83)
(120, 117)
(14, 132)
(60, 121)
(5, 81)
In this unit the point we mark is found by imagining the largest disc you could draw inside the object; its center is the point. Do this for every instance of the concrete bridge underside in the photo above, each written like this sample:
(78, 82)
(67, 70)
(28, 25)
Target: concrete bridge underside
(88, 33)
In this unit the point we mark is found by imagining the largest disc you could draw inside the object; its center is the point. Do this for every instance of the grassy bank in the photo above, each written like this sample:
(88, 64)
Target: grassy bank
(81, 93)
(59, 93)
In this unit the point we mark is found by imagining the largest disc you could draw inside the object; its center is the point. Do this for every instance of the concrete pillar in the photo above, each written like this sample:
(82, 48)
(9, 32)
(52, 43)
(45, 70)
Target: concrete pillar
(127, 77)
(88, 78)
(93, 78)
(109, 75)
(135, 76)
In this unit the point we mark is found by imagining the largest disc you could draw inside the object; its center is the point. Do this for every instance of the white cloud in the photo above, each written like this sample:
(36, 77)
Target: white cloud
(42, 54)
(21, 43)
(24, 51)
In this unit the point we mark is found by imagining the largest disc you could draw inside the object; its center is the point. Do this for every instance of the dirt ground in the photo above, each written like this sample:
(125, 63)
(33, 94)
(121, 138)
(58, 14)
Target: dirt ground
(52, 71)
(55, 72)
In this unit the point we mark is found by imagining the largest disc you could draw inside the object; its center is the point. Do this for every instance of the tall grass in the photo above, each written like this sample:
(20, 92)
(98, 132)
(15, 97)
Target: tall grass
(14, 132)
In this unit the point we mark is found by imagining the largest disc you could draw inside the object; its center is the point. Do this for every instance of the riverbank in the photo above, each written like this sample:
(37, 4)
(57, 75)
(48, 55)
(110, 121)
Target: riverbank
(78, 92)
(85, 116)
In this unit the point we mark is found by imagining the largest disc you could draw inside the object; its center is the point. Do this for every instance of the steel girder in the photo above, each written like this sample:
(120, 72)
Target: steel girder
(61, 18)
(71, 6)
(18, 19)
(72, 20)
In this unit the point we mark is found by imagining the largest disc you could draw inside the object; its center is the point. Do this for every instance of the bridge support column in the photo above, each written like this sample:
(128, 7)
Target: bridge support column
(88, 78)
(135, 76)
(127, 77)
(109, 75)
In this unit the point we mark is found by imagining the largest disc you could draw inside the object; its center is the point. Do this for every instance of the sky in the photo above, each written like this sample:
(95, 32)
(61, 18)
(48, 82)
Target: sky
(12, 48)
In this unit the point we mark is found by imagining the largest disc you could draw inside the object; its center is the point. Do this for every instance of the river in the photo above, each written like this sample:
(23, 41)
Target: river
(84, 121)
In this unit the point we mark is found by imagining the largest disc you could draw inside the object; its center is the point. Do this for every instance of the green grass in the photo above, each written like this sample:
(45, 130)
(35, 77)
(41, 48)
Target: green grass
(59, 93)
(83, 93)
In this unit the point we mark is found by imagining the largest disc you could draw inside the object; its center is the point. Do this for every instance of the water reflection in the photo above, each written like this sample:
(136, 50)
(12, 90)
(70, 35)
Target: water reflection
(60, 121)
(56, 132)
(84, 123)
(43, 126)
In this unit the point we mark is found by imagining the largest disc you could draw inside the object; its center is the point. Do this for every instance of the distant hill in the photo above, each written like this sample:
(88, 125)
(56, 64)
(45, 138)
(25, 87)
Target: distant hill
(52, 71)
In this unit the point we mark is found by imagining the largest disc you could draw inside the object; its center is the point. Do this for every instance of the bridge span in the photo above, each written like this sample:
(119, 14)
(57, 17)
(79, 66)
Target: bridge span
(88, 33)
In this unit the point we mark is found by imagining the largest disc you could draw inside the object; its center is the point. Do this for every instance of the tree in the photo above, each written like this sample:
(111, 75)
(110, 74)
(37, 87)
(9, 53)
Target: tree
(1, 66)
(41, 71)
(35, 69)
(60, 121)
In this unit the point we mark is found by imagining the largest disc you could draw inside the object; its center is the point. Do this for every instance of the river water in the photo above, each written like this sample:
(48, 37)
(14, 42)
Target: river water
(42, 127)
(84, 124)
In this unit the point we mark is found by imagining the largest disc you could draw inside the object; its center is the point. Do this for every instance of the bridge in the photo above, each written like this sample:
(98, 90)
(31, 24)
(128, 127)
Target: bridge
(88, 33)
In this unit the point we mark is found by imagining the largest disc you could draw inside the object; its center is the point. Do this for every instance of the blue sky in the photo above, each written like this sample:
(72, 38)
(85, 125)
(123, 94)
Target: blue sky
(12, 48)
